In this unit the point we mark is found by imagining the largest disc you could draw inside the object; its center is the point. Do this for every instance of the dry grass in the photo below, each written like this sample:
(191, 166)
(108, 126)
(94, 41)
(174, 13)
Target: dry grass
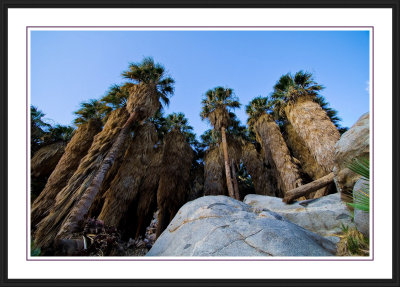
(277, 153)
(76, 149)
(81, 179)
(174, 178)
(352, 243)
(315, 130)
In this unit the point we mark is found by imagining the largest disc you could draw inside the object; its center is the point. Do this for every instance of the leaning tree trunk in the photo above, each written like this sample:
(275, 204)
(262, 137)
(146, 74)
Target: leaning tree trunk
(277, 153)
(80, 180)
(76, 149)
(143, 102)
(125, 186)
(316, 130)
(174, 179)
(229, 184)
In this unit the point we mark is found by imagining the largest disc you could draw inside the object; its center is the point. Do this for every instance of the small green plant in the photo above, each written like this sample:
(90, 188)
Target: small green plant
(360, 197)
(352, 243)
(34, 251)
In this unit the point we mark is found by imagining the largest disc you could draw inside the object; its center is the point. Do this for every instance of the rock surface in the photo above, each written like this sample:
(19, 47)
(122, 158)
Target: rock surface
(324, 215)
(353, 144)
(222, 226)
(361, 218)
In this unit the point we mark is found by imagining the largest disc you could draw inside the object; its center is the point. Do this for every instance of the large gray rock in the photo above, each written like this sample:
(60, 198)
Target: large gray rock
(324, 215)
(222, 226)
(353, 144)
(361, 218)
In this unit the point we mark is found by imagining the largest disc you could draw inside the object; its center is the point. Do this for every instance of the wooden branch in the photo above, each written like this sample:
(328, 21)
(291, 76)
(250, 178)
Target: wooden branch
(308, 188)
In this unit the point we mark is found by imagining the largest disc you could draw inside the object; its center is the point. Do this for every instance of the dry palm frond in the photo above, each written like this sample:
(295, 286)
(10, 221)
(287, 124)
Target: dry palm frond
(45, 159)
(277, 153)
(143, 100)
(80, 180)
(315, 129)
(174, 179)
(76, 149)
(125, 186)
(214, 173)
(261, 175)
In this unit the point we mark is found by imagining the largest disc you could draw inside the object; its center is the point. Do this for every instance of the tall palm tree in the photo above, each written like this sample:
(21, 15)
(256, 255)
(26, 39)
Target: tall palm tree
(216, 105)
(298, 97)
(149, 84)
(38, 128)
(276, 152)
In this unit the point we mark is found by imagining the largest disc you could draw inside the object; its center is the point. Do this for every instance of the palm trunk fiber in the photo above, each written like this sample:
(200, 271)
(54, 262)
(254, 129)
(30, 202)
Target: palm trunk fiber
(308, 163)
(80, 209)
(277, 153)
(65, 200)
(316, 130)
(214, 181)
(234, 181)
(42, 165)
(124, 188)
(174, 180)
(76, 149)
(259, 170)
(229, 184)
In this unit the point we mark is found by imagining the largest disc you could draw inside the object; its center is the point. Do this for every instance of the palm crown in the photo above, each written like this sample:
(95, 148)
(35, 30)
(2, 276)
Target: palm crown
(116, 96)
(92, 109)
(216, 106)
(256, 108)
(289, 88)
(149, 72)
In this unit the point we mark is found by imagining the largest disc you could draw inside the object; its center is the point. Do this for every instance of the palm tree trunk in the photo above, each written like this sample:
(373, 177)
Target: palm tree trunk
(317, 131)
(277, 153)
(81, 209)
(227, 168)
(76, 149)
(234, 181)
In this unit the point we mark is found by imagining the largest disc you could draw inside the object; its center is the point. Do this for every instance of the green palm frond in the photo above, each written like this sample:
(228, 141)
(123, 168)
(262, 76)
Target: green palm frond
(361, 196)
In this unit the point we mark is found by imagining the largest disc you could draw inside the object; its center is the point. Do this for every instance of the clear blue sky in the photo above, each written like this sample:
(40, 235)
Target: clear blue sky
(68, 67)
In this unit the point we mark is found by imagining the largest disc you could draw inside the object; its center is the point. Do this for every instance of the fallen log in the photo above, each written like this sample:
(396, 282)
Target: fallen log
(306, 189)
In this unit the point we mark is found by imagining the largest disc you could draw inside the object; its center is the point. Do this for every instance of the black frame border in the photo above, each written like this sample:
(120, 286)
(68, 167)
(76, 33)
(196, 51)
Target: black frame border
(7, 4)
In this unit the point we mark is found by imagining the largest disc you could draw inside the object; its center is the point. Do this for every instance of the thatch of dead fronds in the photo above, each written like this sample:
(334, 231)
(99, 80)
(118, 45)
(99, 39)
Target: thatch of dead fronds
(197, 182)
(214, 172)
(147, 198)
(316, 130)
(48, 228)
(76, 149)
(125, 186)
(143, 100)
(219, 118)
(174, 178)
(45, 159)
(260, 172)
(277, 153)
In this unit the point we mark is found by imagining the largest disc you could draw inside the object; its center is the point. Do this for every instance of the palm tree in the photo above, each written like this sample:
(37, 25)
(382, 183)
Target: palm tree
(117, 96)
(92, 109)
(38, 128)
(275, 149)
(175, 168)
(216, 105)
(149, 84)
(298, 97)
